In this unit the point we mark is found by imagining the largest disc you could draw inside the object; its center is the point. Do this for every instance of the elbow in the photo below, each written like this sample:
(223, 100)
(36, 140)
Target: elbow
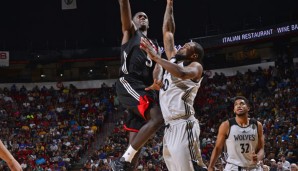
(168, 28)
(165, 30)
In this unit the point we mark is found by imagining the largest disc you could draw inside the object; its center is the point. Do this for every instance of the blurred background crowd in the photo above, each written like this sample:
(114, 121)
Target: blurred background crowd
(48, 129)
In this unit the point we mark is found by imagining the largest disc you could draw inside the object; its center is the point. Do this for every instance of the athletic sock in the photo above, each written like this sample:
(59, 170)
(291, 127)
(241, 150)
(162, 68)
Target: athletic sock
(129, 154)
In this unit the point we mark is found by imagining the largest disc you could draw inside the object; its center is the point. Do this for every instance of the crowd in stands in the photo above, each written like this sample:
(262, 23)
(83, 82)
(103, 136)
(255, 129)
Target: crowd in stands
(47, 128)
(274, 99)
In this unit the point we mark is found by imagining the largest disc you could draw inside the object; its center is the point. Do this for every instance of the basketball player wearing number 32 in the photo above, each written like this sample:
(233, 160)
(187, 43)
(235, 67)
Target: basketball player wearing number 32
(243, 138)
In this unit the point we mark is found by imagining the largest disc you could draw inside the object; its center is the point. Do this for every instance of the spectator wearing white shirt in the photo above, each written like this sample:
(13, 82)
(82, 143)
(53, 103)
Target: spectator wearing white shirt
(24, 165)
(285, 164)
(54, 147)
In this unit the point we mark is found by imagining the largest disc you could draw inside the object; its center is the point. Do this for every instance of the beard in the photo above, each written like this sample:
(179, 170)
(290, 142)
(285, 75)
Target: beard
(240, 114)
(180, 57)
(143, 27)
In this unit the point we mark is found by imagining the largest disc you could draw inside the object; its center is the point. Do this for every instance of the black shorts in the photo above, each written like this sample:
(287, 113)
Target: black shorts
(133, 96)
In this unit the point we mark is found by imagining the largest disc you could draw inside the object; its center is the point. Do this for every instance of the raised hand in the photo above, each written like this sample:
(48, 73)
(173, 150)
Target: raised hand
(254, 157)
(147, 46)
(157, 84)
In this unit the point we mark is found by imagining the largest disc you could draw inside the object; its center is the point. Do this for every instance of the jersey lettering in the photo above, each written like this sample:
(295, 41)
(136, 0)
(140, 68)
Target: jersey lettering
(245, 137)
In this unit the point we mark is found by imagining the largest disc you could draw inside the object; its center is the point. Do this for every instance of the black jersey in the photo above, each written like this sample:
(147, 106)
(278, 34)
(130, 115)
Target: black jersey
(135, 64)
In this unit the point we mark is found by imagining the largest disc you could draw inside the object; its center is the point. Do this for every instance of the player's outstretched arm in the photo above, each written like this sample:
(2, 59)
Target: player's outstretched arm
(168, 30)
(157, 75)
(126, 20)
(189, 72)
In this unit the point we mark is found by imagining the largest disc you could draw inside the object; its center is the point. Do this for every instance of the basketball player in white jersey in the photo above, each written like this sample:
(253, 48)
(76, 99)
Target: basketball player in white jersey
(181, 81)
(243, 138)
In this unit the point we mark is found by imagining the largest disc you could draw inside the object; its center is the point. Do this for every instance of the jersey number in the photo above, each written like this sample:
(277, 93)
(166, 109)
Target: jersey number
(149, 62)
(165, 85)
(244, 148)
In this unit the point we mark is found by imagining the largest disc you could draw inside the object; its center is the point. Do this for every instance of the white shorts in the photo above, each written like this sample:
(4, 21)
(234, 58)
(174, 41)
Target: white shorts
(232, 167)
(181, 145)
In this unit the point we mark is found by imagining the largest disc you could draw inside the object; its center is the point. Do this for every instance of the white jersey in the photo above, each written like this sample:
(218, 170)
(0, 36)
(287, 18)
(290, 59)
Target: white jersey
(177, 96)
(241, 142)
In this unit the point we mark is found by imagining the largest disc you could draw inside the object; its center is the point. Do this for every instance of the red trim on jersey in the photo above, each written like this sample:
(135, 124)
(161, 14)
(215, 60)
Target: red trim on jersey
(130, 129)
(144, 105)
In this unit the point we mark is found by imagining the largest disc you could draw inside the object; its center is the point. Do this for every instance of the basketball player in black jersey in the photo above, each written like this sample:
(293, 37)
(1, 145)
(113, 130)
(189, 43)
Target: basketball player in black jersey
(137, 72)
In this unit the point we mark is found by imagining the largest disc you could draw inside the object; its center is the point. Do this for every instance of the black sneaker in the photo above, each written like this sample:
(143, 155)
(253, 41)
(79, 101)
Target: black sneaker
(120, 165)
(197, 167)
(200, 168)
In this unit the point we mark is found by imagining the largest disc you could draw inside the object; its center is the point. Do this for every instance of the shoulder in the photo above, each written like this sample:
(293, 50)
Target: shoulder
(258, 123)
(128, 35)
(196, 64)
(260, 127)
(232, 121)
(132, 40)
(224, 129)
(197, 68)
(225, 125)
